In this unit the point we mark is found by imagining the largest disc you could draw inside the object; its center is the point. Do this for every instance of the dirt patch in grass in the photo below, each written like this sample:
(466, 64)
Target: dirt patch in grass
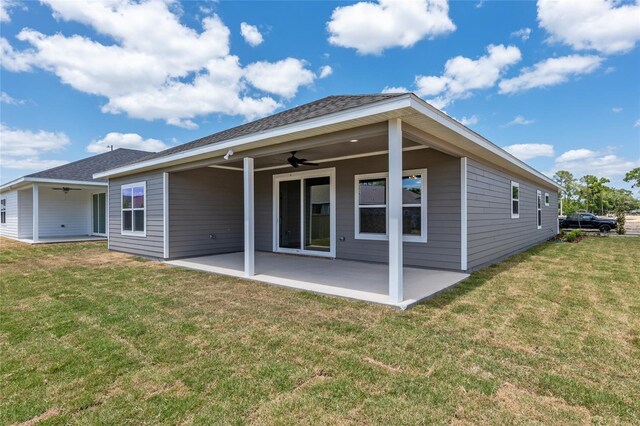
(549, 336)
(531, 407)
(52, 412)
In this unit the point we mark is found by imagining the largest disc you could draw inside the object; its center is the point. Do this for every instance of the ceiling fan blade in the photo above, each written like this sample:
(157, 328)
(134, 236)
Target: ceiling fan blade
(306, 163)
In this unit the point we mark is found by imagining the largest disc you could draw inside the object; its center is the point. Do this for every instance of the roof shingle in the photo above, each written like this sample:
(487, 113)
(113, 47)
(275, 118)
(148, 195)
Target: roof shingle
(83, 170)
(319, 108)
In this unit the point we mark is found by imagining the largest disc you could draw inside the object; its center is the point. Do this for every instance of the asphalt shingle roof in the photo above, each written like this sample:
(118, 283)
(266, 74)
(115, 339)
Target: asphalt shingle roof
(319, 108)
(83, 170)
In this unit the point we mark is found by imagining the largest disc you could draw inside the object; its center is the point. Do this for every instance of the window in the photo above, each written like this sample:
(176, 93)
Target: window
(371, 216)
(134, 209)
(3, 210)
(539, 208)
(515, 200)
(546, 199)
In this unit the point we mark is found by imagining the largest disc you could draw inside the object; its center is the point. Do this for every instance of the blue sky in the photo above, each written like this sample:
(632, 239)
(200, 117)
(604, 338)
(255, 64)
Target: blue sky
(554, 82)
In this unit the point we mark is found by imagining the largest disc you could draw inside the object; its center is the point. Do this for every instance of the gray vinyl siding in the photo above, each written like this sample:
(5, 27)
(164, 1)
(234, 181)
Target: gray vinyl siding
(151, 245)
(492, 233)
(205, 202)
(443, 210)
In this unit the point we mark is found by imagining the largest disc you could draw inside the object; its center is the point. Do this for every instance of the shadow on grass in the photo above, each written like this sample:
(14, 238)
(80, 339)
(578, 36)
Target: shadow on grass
(479, 278)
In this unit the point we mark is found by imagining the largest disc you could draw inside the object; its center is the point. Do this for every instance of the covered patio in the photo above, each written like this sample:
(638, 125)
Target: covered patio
(247, 213)
(345, 278)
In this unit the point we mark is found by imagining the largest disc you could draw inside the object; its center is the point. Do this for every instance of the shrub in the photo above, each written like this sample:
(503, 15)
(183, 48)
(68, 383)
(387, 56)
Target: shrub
(620, 221)
(573, 235)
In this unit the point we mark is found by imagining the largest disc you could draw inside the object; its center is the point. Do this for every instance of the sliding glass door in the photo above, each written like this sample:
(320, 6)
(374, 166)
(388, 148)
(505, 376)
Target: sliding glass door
(305, 213)
(99, 214)
(290, 224)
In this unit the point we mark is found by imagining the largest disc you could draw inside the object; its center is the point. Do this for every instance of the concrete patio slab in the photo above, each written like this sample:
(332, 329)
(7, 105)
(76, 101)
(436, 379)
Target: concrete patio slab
(351, 279)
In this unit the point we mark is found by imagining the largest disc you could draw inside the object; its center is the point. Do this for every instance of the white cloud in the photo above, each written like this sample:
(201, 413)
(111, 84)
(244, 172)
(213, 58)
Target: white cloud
(522, 33)
(5, 98)
(397, 89)
(20, 149)
(527, 151)
(125, 140)
(607, 26)
(370, 28)
(16, 142)
(585, 161)
(550, 72)
(12, 60)
(616, 109)
(5, 5)
(251, 34)
(29, 164)
(519, 120)
(155, 67)
(480, 4)
(576, 154)
(325, 71)
(463, 75)
(469, 121)
(282, 78)
(637, 123)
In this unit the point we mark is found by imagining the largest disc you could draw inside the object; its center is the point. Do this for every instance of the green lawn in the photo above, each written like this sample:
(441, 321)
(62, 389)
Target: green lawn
(87, 336)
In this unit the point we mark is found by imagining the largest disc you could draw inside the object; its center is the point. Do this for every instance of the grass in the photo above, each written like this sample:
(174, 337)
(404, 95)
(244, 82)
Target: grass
(89, 336)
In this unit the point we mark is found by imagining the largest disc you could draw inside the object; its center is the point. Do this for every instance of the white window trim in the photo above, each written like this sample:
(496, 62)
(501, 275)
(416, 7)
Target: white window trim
(546, 199)
(514, 185)
(134, 233)
(539, 208)
(422, 238)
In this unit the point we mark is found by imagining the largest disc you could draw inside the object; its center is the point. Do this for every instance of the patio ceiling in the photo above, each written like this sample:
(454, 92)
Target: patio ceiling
(322, 153)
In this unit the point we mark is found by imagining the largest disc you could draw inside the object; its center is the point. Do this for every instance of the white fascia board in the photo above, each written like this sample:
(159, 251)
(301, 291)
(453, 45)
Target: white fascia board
(27, 180)
(12, 184)
(447, 121)
(326, 120)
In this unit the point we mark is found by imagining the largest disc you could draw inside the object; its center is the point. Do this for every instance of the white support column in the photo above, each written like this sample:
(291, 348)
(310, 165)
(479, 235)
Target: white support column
(395, 211)
(107, 214)
(463, 213)
(36, 215)
(249, 219)
(165, 215)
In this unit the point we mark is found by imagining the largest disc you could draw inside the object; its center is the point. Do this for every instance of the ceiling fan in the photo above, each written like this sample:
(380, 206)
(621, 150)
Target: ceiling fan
(66, 189)
(295, 161)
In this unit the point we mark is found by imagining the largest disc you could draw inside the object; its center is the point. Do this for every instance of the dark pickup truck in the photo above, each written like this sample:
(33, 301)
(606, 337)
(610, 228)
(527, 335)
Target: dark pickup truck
(587, 221)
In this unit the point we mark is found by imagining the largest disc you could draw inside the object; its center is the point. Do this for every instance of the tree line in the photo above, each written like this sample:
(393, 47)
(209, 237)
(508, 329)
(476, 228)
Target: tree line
(592, 194)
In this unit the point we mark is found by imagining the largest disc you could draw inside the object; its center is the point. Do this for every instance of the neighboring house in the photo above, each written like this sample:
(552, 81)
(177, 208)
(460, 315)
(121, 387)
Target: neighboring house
(62, 203)
(398, 184)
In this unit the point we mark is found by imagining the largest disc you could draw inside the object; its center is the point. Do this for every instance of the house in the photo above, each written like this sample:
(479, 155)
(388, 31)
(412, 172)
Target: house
(64, 203)
(382, 198)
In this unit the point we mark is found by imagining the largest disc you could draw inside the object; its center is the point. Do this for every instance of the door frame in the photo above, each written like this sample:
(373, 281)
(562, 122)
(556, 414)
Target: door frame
(106, 209)
(307, 174)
